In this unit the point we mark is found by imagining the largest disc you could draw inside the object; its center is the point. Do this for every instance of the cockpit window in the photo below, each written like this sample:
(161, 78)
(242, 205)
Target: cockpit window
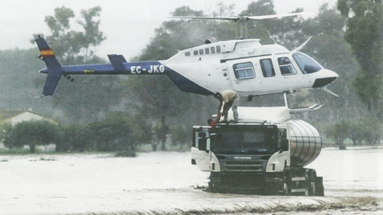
(285, 66)
(306, 63)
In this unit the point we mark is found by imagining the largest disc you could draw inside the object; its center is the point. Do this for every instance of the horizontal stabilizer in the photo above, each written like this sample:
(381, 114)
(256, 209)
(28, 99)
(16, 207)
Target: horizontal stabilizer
(54, 67)
(117, 62)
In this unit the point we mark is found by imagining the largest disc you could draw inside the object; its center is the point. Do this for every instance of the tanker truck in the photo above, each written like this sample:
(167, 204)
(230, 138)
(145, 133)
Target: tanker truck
(265, 152)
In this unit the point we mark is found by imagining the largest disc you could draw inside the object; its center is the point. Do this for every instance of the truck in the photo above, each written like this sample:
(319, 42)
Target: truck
(265, 151)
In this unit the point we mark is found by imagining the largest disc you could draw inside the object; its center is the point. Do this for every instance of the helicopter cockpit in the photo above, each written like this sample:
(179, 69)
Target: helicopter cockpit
(306, 63)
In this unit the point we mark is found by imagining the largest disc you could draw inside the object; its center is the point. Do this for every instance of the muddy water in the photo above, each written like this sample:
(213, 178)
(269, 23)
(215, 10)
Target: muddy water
(63, 184)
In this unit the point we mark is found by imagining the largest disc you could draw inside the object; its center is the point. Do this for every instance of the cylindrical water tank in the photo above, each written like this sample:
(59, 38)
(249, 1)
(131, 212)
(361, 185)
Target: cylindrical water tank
(305, 143)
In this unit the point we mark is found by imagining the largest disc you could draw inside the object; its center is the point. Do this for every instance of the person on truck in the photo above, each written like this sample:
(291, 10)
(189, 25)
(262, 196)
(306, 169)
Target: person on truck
(230, 98)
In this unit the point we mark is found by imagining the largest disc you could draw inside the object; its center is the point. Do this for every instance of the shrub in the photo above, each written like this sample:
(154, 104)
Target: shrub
(338, 132)
(31, 133)
(75, 138)
(119, 132)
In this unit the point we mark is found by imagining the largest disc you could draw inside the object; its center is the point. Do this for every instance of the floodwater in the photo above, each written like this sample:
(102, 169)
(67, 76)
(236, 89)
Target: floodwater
(159, 182)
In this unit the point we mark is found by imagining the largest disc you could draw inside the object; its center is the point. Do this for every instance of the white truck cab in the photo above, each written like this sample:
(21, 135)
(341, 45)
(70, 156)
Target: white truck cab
(264, 151)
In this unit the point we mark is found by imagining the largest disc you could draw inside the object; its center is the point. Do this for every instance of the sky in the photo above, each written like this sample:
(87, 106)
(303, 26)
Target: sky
(128, 24)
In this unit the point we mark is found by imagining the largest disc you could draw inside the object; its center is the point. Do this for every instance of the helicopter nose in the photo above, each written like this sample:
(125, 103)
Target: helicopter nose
(328, 77)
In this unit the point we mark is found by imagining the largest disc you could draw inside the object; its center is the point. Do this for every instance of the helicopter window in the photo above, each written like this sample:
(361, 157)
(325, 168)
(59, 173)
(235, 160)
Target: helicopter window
(244, 70)
(207, 51)
(196, 52)
(286, 66)
(218, 49)
(187, 53)
(306, 63)
(212, 50)
(201, 51)
(267, 68)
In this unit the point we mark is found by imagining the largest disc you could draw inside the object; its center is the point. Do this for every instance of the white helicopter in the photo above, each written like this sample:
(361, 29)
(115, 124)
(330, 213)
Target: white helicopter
(245, 66)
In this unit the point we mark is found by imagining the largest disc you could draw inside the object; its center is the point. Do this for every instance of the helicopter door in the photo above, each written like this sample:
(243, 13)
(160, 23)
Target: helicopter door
(291, 79)
(269, 79)
(242, 76)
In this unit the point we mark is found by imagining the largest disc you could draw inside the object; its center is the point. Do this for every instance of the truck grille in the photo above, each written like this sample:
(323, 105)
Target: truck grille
(251, 166)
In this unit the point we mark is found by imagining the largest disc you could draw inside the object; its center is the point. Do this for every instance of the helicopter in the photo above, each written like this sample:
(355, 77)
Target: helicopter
(244, 66)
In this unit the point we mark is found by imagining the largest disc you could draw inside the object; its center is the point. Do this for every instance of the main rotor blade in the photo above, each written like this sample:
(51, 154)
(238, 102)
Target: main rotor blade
(274, 16)
(303, 45)
(234, 18)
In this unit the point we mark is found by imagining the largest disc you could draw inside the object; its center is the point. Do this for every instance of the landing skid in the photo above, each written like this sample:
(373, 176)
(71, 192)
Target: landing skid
(301, 110)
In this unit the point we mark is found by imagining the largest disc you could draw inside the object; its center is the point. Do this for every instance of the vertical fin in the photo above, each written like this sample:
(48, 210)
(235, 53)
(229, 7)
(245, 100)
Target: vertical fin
(117, 62)
(54, 67)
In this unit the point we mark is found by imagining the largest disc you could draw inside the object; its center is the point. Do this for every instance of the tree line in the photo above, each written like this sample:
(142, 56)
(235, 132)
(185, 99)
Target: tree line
(340, 43)
(118, 132)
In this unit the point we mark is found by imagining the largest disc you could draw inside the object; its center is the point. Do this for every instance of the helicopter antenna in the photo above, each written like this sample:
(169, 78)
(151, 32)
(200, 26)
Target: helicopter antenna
(271, 37)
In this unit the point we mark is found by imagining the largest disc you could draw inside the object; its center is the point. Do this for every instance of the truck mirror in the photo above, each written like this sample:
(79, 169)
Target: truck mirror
(284, 144)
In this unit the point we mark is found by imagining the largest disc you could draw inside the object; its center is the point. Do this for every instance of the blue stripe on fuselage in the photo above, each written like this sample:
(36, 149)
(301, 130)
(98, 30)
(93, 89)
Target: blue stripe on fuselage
(138, 68)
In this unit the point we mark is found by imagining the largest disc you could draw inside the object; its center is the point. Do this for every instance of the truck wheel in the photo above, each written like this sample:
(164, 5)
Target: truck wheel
(319, 189)
(214, 183)
(286, 183)
(212, 188)
(310, 178)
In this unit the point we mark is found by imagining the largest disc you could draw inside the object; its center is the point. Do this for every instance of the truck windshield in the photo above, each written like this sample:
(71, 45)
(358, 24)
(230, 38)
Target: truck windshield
(262, 141)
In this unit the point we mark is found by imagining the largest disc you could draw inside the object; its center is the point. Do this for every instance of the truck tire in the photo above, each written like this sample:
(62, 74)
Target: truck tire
(215, 184)
(310, 179)
(319, 189)
(286, 182)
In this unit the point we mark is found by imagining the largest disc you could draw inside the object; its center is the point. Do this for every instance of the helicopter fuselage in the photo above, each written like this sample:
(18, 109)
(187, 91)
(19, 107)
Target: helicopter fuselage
(245, 66)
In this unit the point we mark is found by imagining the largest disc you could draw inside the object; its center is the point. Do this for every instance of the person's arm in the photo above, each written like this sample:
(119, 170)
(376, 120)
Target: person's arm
(216, 120)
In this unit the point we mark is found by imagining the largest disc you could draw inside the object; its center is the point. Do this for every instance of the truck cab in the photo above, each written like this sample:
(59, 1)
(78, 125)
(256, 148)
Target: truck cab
(264, 151)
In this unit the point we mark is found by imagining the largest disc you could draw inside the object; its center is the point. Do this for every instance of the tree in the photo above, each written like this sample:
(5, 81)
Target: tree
(329, 48)
(119, 132)
(32, 133)
(180, 136)
(364, 24)
(356, 131)
(372, 130)
(338, 132)
(18, 81)
(75, 138)
(83, 100)
(73, 47)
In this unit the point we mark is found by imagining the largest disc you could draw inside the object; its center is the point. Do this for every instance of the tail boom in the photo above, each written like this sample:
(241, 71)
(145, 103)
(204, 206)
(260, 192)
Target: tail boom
(140, 68)
(117, 66)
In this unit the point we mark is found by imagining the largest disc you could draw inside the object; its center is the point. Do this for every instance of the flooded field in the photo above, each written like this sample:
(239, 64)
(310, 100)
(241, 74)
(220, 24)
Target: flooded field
(166, 182)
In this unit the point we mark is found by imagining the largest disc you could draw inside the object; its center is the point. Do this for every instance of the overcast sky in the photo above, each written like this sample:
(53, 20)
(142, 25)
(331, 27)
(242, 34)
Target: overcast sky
(128, 24)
